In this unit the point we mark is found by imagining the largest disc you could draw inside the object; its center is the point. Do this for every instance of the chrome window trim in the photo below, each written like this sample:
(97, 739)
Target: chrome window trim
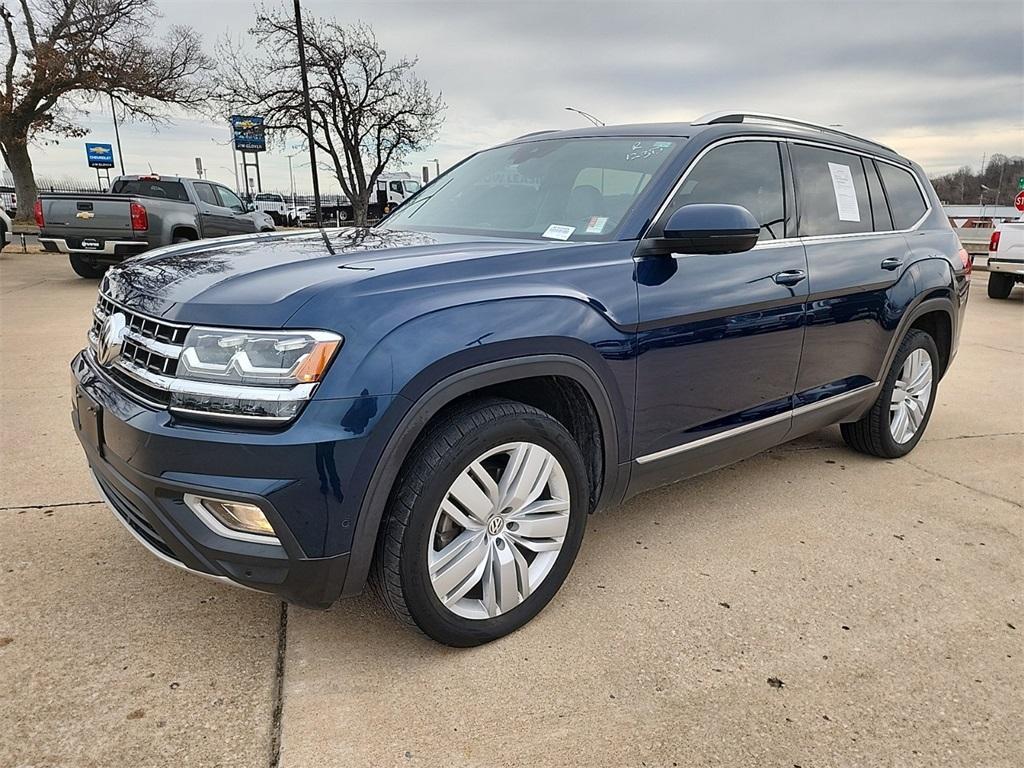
(760, 423)
(797, 240)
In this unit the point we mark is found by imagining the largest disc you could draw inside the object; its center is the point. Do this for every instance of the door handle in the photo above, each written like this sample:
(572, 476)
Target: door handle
(789, 277)
(892, 263)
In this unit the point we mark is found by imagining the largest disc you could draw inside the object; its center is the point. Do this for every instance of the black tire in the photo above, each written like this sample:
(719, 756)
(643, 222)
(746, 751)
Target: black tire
(872, 435)
(1000, 285)
(399, 572)
(83, 268)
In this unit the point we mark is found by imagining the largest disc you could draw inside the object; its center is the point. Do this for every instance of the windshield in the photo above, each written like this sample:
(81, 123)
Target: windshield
(560, 189)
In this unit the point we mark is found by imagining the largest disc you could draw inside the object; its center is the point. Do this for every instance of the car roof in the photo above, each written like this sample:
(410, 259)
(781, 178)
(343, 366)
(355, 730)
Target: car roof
(768, 126)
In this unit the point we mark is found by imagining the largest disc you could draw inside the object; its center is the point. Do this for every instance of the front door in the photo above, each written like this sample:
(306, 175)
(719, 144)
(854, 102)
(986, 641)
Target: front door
(720, 334)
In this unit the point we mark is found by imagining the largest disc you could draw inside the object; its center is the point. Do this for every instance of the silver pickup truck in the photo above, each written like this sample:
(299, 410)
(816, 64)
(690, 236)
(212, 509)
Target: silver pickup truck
(139, 213)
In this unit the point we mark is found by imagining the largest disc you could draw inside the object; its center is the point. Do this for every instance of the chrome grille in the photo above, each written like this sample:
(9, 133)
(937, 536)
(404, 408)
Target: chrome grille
(151, 344)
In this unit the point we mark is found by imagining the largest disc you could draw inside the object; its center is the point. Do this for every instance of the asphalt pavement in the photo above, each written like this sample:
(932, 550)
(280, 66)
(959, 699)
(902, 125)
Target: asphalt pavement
(807, 607)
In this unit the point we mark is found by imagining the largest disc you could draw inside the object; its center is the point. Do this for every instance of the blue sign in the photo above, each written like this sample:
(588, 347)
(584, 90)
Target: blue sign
(248, 133)
(99, 155)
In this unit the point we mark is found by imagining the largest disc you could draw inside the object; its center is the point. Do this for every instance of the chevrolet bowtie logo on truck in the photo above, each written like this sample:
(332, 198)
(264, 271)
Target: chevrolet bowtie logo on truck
(85, 215)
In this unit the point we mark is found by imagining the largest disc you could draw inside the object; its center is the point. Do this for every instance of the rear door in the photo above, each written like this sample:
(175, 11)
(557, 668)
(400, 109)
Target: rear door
(239, 221)
(858, 271)
(720, 334)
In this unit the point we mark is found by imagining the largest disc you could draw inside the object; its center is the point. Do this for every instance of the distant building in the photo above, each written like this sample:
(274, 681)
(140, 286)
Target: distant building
(979, 216)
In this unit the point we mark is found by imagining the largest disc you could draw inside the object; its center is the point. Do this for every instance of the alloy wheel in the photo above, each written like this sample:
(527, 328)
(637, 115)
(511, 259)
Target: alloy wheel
(498, 530)
(910, 396)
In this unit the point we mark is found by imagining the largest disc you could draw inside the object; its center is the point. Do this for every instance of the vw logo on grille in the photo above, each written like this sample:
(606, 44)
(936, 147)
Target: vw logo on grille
(111, 338)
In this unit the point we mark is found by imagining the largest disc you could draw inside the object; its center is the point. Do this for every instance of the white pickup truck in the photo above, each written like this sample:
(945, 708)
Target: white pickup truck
(1005, 258)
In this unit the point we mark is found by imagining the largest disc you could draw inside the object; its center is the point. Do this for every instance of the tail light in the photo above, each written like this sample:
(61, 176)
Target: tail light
(140, 219)
(967, 261)
(37, 213)
(993, 243)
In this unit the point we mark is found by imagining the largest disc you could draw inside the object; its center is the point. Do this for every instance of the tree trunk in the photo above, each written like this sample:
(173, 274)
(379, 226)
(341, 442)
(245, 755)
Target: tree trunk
(360, 217)
(24, 181)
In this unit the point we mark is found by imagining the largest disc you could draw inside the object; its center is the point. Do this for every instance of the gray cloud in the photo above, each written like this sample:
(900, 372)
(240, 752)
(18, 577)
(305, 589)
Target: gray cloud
(941, 80)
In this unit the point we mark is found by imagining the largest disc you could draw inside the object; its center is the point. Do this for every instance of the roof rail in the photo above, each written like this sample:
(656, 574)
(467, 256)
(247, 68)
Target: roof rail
(535, 133)
(715, 118)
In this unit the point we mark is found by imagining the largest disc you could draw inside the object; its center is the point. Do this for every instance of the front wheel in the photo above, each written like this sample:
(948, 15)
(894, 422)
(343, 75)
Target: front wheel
(483, 524)
(1000, 285)
(84, 268)
(897, 420)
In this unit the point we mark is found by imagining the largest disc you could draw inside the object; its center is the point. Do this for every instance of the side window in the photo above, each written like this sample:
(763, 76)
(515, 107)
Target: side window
(396, 186)
(904, 195)
(747, 173)
(831, 190)
(205, 193)
(879, 208)
(230, 200)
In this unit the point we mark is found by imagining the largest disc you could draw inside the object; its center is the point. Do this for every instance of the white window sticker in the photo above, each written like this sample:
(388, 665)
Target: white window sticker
(596, 225)
(846, 194)
(559, 232)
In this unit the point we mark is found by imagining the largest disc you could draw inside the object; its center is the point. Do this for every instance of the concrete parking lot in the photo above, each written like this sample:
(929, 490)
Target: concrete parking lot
(807, 607)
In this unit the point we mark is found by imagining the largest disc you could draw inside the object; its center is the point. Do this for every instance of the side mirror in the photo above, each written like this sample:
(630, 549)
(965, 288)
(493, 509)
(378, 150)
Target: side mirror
(250, 207)
(706, 228)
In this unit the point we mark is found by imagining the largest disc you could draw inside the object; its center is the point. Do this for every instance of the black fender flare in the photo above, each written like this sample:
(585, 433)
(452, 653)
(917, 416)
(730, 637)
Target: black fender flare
(929, 302)
(427, 405)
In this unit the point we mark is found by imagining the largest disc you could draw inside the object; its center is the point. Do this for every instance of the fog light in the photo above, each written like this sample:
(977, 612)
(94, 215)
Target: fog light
(235, 519)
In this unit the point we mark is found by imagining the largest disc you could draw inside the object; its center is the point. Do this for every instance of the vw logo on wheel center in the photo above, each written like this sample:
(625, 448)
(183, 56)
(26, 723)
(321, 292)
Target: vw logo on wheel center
(495, 525)
(111, 338)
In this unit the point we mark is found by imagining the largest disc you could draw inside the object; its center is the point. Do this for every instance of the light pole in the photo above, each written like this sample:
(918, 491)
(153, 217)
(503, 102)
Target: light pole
(309, 114)
(437, 168)
(587, 115)
(117, 133)
(291, 176)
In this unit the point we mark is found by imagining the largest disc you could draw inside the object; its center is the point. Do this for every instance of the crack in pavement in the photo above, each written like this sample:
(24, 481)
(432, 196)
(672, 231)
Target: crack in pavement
(802, 448)
(278, 692)
(982, 491)
(49, 506)
(999, 349)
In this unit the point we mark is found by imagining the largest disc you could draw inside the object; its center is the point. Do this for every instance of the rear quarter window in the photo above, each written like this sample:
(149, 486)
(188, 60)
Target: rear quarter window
(904, 195)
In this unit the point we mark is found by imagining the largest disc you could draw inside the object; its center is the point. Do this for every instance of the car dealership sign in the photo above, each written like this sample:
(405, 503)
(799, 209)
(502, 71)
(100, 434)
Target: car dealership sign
(247, 133)
(99, 155)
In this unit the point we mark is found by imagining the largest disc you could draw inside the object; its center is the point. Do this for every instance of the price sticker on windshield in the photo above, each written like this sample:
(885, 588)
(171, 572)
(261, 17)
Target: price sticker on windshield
(559, 232)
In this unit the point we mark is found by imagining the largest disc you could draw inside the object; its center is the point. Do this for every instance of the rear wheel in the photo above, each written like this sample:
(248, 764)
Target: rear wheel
(84, 268)
(897, 420)
(999, 285)
(484, 523)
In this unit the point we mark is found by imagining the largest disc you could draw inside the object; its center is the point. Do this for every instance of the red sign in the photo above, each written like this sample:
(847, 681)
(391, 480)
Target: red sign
(1018, 201)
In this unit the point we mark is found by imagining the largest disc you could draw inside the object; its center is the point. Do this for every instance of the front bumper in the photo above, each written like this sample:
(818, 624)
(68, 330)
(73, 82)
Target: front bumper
(144, 461)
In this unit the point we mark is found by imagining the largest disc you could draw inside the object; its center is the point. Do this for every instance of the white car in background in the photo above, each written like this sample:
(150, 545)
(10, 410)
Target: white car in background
(5, 229)
(274, 205)
(1005, 258)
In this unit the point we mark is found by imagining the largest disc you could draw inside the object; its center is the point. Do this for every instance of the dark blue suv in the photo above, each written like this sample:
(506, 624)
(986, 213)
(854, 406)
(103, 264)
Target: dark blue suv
(435, 404)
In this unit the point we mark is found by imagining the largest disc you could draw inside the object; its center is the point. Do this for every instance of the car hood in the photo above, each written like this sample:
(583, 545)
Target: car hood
(262, 280)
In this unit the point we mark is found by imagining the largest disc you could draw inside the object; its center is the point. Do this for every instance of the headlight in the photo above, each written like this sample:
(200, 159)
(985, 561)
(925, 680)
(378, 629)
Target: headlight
(244, 374)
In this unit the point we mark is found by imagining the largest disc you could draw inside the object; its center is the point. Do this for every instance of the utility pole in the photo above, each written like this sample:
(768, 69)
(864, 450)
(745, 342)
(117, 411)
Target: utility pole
(117, 133)
(309, 113)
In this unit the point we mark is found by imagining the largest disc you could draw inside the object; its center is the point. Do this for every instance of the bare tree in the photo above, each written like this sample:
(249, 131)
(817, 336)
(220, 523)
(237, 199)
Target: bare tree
(60, 54)
(368, 111)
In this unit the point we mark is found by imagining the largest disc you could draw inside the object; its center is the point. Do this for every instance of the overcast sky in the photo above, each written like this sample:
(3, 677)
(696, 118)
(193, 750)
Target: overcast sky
(942, 82)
